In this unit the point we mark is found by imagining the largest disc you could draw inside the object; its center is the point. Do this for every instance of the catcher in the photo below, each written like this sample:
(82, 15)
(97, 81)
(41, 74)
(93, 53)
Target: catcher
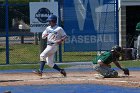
(102, 63)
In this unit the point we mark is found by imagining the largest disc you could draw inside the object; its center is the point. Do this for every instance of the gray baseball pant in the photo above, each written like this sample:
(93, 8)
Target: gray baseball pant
(107, 72)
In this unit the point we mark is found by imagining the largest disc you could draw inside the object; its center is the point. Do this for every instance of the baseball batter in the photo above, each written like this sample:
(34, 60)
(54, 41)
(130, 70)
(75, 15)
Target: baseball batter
(102, 63)
(55, 35)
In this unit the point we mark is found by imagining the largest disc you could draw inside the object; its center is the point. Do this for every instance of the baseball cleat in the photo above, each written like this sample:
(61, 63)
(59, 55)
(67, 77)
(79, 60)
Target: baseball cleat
(63, 72)
(38, 72)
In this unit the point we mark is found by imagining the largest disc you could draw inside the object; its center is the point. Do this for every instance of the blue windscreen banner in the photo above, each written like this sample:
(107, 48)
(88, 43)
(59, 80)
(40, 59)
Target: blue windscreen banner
(91, 25)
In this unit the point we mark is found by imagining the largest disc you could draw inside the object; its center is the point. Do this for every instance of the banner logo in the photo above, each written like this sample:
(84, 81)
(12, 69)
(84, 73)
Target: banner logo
(39, 12)
(42, 15)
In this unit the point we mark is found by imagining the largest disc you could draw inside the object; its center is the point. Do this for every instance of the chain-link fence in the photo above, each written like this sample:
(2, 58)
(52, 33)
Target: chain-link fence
(20, 46)
(17, 46)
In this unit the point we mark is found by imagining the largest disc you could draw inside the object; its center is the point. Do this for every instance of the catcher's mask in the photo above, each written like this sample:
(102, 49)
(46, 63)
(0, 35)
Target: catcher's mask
(117, 48)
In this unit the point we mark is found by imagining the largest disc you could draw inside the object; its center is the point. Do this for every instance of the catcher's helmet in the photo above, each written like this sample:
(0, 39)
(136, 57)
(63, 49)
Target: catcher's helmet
(117, 48)
(52, 18)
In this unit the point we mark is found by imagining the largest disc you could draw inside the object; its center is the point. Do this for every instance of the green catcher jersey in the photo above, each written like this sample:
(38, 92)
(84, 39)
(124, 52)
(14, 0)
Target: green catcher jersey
(106, 58)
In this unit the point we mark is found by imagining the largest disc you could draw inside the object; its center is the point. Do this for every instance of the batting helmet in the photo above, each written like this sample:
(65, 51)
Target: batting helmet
(52, 18)
(117, 48)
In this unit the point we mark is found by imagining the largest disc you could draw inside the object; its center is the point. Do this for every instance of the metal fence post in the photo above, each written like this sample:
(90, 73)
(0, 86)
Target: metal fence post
(7, 32)
(117, 21)
(60, 46)
(22, 37)
(35, 38)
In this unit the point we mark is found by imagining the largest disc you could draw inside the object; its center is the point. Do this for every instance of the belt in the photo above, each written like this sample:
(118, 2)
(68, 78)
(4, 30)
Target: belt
(50, 43)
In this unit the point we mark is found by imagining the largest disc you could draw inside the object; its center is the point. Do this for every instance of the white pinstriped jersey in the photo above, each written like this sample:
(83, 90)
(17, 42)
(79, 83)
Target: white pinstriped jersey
(53, 33)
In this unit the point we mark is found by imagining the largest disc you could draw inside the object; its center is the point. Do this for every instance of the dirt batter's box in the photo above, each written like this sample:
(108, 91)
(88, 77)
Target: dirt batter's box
(81, 73)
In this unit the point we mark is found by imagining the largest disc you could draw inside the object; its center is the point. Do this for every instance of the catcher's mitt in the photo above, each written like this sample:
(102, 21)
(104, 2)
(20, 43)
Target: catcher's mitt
(126, 71)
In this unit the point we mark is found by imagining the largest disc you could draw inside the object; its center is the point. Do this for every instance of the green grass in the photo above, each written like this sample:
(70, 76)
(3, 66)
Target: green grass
(10, 67)
(20, 53)
(24, 53)
(26, 66)
(78, 56)
(36, 66)
(29, 54)
(128, 63)
(21, 1)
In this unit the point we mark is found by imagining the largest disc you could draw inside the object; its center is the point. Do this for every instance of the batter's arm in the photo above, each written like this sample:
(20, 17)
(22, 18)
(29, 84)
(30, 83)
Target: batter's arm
(44, 34)
(61, 40)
